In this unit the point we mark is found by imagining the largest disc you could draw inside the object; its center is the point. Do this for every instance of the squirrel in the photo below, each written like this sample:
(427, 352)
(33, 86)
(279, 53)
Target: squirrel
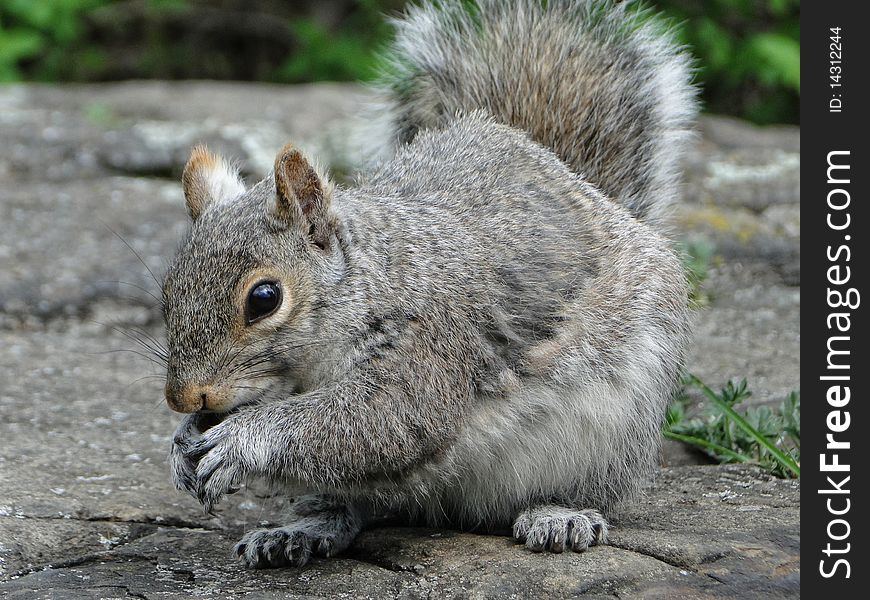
(485, 330)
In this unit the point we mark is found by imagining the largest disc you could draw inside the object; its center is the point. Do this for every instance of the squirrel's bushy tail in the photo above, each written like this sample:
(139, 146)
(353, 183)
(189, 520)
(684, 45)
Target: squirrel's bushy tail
(604, 86)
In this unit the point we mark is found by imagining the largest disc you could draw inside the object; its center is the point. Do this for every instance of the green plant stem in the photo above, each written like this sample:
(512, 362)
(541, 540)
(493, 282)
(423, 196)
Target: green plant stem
(784, 460)
(707, 445)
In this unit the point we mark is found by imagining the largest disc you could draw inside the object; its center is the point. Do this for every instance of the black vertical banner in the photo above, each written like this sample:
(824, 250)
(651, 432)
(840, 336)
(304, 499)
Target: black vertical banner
(835, 423)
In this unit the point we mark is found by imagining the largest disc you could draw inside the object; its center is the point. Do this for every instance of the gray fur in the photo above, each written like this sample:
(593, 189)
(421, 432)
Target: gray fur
(476, 337)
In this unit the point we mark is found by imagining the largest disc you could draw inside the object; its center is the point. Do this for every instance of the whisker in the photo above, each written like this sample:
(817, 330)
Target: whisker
(136, 254)
(156, 344)
(249, 387)
(150, 344)
(139, 379)
(147, 357)
(263, 373)
(227, 359)
(134, 285)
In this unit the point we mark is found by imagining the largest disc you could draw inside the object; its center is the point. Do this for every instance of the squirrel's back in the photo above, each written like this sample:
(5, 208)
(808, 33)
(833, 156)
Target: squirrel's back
(600, 84)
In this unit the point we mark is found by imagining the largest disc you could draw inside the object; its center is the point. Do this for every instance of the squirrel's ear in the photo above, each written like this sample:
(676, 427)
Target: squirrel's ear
(302, 195)
(208, 179)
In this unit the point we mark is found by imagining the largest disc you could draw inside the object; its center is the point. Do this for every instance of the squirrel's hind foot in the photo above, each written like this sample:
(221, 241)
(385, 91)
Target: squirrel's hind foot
(281, 547)
(324, 533)
(557, 528)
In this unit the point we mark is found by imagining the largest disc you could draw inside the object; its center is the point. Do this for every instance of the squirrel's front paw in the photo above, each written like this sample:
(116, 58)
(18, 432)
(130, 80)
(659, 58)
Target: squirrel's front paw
(220, 466)
(556, 528)
(183, 468)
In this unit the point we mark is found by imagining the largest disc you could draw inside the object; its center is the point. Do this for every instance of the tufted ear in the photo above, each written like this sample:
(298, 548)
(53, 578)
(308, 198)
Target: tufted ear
(208, 179)
(302, 195)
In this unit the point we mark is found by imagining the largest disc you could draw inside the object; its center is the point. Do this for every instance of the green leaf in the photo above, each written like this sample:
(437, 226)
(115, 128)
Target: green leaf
(781, 58)
(785, 461)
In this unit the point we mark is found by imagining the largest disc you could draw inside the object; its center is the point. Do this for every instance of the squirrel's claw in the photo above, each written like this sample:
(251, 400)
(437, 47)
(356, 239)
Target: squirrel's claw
(183, 468)
(219, 467)
(195, 452)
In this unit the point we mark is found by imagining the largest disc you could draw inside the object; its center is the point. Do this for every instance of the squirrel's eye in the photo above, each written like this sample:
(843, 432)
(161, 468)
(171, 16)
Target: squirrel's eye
(264, 299)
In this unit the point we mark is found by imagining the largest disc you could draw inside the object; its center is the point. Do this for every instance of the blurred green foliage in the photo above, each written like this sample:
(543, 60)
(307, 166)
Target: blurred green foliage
(40, 31)
(351, 55)
(748, 54)
(748, 51)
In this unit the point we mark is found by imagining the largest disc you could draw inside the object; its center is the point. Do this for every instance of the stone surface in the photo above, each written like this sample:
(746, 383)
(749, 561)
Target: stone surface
(89, 198)
(688, 539)
(743, 194)
(751, 330)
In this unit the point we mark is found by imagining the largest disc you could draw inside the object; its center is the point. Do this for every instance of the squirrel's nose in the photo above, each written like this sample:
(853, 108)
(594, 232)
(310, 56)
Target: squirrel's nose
(191, 397)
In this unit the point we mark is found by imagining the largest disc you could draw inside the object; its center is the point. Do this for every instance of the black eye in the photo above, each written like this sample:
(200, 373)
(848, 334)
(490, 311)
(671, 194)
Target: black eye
(264, 299)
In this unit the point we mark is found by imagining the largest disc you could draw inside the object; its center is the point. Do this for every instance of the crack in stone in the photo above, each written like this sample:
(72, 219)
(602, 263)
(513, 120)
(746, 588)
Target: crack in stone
(126, 589)
(374, 563)
(173, 522)
(148, 527)
(671, 563)
(715, 578)
(79, 561)
(392, 566)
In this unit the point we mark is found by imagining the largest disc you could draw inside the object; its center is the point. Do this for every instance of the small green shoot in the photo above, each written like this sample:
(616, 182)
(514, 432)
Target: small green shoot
(696, 255)
(100, 114)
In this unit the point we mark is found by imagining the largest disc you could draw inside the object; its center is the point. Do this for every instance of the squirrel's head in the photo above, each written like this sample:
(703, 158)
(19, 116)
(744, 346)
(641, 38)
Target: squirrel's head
(239, 298)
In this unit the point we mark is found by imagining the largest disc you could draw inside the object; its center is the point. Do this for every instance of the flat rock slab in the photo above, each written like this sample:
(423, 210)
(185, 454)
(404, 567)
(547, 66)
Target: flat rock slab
(687, 539)
(90, 208)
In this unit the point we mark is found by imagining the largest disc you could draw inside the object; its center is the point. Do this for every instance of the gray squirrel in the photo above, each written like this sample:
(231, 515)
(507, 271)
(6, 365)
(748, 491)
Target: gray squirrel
(485, 331)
